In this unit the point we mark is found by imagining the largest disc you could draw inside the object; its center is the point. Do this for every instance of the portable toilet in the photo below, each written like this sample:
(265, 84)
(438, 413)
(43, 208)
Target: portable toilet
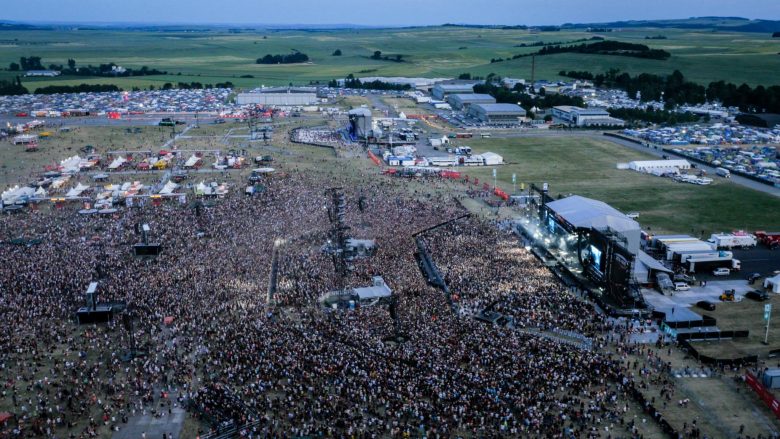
(771, 379)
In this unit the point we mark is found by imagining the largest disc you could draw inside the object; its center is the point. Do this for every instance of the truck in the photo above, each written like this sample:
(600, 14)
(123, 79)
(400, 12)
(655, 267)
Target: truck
(702, 263)
(723, 172)
(769, 239)
(731, 240)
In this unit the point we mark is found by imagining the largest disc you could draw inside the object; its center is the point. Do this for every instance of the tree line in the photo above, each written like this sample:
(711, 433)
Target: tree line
(352, 82)
(676, 90)
(652, 115)
(12, 88)
(35, 63)
(617, 48)
(518, 96)
(292, 58)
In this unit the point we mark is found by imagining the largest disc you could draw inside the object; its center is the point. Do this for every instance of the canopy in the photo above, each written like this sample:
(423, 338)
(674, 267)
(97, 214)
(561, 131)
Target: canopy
(169, 188)
(773, 283)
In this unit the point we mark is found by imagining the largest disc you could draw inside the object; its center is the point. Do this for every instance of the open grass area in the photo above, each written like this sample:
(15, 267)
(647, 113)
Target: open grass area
(217, 56)
(587, 166)
(747, 314)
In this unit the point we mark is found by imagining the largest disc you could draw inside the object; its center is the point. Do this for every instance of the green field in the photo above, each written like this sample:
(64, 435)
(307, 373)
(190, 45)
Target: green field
(587, 166)
(217, 56)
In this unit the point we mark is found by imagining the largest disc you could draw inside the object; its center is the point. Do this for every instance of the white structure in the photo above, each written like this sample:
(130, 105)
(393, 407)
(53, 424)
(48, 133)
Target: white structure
(659, 167)
(773, 283)
(43, 73)
(278, 99)
(490, 158)
(439, 142)
(730, 240)
(24, 139)
(377, 290)
(585, 116)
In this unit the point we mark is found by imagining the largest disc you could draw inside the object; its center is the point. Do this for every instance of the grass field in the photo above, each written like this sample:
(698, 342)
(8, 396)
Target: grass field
(216, 56)
(587, 167)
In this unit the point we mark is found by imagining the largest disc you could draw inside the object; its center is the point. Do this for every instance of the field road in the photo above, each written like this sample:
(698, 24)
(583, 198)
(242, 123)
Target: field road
(597, 135)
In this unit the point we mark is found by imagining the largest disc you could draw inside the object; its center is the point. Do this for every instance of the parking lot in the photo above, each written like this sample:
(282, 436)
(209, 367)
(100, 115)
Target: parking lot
(710, 292)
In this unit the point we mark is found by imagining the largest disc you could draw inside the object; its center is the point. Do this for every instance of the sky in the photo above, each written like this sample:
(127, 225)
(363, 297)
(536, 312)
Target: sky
(376, 12)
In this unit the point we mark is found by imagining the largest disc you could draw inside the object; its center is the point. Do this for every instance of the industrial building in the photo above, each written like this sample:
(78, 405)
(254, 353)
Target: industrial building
(497, 113)
(278, 97)
(585, 116)
(442, 90)
(464, 101)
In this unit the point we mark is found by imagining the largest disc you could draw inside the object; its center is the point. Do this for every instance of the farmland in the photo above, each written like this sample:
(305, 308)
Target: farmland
(211, 56)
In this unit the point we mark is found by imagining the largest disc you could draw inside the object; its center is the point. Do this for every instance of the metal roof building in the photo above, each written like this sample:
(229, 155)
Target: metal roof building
(280, 99)
(460, 101)
(441, 91)
(497, 113)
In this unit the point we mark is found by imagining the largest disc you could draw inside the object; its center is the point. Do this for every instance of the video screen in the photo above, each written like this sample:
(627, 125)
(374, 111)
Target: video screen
(596, 255)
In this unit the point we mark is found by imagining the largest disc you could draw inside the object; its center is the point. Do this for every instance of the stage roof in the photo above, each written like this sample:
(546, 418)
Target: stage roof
(587, 213)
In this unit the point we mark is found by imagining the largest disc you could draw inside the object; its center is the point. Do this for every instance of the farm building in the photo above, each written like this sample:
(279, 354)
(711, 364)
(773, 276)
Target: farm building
(585, 116)
(464, 101)
(441, 91)
(497, 113)
(659, 167)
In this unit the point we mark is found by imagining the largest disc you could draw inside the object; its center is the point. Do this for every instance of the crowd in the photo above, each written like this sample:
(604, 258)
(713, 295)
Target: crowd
(293, 368)
(318, 137)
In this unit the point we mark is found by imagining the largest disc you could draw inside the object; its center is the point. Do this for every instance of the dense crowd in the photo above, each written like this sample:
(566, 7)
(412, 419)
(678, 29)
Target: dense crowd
(294, 368)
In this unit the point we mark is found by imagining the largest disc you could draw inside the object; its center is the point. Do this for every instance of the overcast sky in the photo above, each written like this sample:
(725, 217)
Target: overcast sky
(378, 13)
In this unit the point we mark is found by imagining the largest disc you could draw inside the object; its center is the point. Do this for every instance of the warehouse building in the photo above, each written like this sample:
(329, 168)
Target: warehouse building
(582, 117)
(496, 114)
(442, 90)
(282, 99)
(464, 101)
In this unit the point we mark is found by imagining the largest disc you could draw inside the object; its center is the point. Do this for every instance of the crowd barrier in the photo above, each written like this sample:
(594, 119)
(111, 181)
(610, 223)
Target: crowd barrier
(763, 393)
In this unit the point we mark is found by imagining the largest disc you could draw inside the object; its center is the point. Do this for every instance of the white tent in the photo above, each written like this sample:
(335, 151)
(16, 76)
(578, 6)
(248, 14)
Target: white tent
(76, 191)
(169, 188)
(773, 283)
(192, 161)
(119, 161)
(71, 165)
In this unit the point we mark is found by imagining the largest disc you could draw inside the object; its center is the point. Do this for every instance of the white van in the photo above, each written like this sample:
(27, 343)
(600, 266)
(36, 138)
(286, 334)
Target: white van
(721, 272)
(681, 286)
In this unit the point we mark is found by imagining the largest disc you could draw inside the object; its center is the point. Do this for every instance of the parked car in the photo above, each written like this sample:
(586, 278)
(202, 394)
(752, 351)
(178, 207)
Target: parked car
(703, 304)
(681, 286)
(752, 277)
(758, 296)
(721, 272)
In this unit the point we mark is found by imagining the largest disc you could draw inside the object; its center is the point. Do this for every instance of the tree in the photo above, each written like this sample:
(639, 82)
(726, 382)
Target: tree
(337, 52)
(377, 54)
(14, 67)
(71, 63)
